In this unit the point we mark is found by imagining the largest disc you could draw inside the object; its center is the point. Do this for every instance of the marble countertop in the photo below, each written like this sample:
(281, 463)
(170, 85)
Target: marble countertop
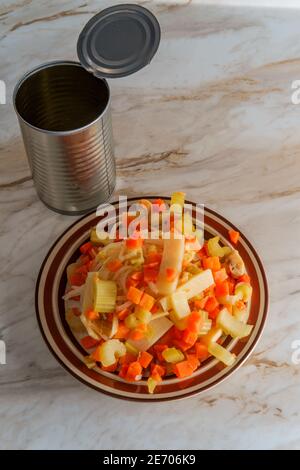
(212, 115)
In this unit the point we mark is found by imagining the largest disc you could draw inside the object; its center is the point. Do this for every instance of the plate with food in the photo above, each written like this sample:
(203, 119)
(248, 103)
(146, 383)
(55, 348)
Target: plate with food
(152, 318)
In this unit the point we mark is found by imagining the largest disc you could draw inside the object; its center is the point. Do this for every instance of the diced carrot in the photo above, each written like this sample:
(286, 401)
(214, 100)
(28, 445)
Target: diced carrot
(234, 236)
(229, 307)
(211, 262)
(114, 265)
(122, 332)
(147, 301)
(134, 295)
(84, 259)
(92, 252)
(231, 285)
(77, 279)
(150, 274)
(220, 276)
(189, 337)
(138, 332)
(154, 309)
(181, 344)
(201, 351)
(193, 361)
(211, 304)
(240, 305)
(127, 358)
(81, 270)
(111, 368)
(183, 369)
(123, 370)
(134, 370)
(175, 333)
(91, 314)
(200, 304)
(171, 274)
(144, 359)
(88, 342)
(194, 322)
(96, 354)
(123, 314)
(86, 247)
(203, 252)
(245, 278)
(214, 313)
(134, 243)
(159, 348)
(158, 369)
(156, 377)
(222, 289)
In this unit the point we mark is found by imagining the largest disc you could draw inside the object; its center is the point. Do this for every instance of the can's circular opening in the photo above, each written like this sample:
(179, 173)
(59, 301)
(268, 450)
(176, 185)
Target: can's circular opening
(61, 97)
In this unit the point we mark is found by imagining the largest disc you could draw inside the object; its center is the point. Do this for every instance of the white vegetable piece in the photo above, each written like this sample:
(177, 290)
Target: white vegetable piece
(232, 326)
(180, 304)
(221, 354)
(172, 258)
(157, 328)
(192, 287)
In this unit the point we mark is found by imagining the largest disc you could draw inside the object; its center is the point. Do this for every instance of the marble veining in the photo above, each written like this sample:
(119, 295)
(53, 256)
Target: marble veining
(211, 115)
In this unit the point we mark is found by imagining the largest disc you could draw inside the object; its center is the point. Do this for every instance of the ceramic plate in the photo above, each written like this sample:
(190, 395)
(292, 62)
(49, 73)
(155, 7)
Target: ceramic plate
(50, 288)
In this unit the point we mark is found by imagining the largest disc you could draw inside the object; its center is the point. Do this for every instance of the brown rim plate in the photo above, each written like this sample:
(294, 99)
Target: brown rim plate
(50, 313)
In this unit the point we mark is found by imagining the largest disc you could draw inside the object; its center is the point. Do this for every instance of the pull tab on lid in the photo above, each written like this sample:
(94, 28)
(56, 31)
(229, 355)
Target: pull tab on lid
(118, 41)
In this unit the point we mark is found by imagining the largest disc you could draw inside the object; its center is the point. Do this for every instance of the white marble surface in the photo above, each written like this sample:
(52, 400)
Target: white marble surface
(211, 115)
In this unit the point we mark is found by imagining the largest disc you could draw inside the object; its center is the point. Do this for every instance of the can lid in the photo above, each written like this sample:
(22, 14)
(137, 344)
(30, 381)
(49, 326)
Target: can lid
(118, 41)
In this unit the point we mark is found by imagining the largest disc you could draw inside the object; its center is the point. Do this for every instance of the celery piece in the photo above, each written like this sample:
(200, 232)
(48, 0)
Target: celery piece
(131, 321)
(180, 324)
(212, 336)
(110, 351)
(99, 238)
(89, 362)
(180, 305)
(144, 316)
(172, 355)
(105, 295)
(172, 258)
(205, 328)
(231, 326)
(241, 314)
(221, 354)
(151, 384)
(243, 291)
(178, 198)
(215, 249)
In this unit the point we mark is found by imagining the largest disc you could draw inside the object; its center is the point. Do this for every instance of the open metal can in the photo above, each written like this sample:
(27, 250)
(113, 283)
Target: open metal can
(65, 120)
(64, 113)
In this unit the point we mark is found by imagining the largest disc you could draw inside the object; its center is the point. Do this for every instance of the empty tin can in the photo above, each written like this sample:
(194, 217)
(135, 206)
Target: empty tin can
(64, 112)
(65, 120)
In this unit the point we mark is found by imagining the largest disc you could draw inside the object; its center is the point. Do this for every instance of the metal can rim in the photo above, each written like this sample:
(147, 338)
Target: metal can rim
(51, 64)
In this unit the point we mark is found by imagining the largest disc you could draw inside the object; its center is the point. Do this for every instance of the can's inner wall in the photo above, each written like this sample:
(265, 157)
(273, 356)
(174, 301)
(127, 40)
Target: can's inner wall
(61, 97)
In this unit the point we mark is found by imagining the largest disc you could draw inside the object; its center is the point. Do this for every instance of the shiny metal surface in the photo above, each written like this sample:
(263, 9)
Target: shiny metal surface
(64, 116)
